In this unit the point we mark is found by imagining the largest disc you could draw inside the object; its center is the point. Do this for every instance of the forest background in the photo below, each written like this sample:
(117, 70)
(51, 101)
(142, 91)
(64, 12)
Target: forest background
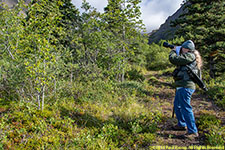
(79, 80)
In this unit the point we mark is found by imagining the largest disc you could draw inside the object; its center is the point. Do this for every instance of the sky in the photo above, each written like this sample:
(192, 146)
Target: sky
(154, 12)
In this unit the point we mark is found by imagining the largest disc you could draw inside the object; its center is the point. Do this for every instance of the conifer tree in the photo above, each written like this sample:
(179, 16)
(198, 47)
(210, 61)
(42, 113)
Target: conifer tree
(68, 24)
(203, 22)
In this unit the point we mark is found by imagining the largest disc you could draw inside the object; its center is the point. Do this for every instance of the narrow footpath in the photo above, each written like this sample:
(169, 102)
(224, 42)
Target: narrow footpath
(165, 93)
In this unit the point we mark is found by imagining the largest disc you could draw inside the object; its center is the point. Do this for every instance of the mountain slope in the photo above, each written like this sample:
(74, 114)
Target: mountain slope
(165, 31)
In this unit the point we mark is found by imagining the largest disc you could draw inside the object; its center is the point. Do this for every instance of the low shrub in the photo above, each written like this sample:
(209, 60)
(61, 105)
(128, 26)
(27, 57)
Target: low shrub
(91, 115)
(135, 75)
(215, 136)
(157, 57)
(217, 93)
(26, 128)
(145, 123)
(216, 90)
(207, 120)
(209, 126)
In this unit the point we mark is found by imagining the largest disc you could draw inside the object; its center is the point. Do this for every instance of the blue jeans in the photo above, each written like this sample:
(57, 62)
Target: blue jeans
(183, 109)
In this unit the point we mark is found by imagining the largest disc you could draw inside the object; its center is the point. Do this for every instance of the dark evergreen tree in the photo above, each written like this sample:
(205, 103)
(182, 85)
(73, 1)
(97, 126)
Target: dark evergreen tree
(203, 22)
(69, 22)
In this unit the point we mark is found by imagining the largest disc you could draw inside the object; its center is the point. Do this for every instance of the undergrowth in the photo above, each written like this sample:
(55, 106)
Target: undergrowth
(216, 90)
(98, 114)
(95, 115)
(211, 129)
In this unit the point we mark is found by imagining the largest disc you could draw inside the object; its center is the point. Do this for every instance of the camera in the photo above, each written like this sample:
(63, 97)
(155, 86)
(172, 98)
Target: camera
(167, 45)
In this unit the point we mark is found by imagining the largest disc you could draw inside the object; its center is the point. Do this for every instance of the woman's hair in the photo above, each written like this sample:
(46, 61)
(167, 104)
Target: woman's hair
(198, 59)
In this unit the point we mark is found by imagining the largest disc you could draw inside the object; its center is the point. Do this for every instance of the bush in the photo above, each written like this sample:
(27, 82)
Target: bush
(84, 115)
(157, 57)
(217, 92)
(209, 126)
(135, 75)
(26, 128)
(216, 136)
(207, 120)
(144, 124)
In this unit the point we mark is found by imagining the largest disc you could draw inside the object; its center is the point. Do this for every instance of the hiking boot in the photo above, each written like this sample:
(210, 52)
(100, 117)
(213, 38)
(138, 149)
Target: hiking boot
(191, 136)
(179, 128)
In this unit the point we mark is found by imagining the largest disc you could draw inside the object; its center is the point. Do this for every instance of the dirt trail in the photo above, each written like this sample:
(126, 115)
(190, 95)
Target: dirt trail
(165, 93)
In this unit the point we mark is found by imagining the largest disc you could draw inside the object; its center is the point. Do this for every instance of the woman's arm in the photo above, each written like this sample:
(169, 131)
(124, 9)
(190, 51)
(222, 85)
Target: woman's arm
(182, 59)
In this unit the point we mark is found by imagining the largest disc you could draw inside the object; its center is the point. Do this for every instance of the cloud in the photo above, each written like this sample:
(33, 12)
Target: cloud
(99, 4)
(154, 12)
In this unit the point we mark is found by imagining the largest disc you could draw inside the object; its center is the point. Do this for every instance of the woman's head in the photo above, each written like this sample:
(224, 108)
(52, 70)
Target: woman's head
(189, 46)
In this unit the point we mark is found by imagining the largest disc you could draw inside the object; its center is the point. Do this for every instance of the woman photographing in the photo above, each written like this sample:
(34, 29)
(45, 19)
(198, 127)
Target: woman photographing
(185, 87)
